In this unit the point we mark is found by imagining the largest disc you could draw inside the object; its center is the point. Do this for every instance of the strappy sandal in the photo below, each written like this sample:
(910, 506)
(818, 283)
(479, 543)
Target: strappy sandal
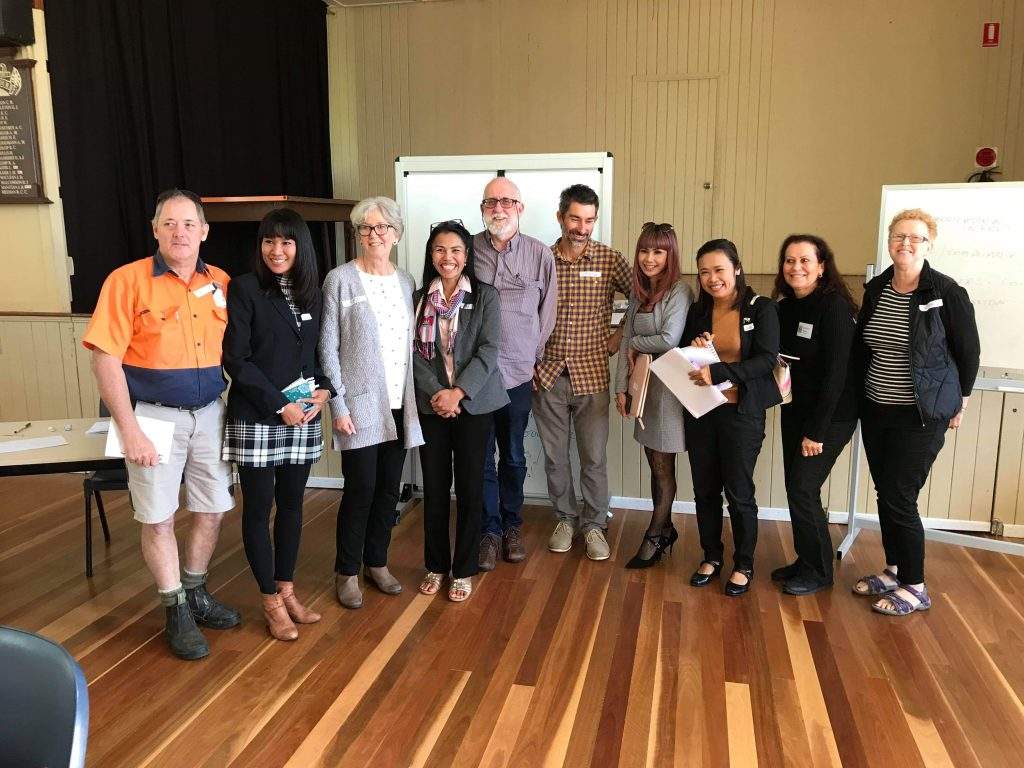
(460, 590)
(875, 585)
(431, 583)
(900, 606)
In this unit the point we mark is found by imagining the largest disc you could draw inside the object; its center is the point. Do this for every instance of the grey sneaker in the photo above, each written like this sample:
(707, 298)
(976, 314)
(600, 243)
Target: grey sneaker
(561, 537)
(597, 544)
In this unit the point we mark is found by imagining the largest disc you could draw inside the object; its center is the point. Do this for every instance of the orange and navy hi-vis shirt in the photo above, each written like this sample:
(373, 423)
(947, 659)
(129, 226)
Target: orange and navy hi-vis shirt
(167, 334)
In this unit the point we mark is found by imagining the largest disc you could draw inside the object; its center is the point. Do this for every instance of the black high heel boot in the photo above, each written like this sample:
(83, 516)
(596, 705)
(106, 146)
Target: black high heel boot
(732, 589)
(662, 542)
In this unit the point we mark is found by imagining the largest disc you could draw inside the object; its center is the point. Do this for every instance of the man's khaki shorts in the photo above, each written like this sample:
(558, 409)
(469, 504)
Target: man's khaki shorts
(195, 452)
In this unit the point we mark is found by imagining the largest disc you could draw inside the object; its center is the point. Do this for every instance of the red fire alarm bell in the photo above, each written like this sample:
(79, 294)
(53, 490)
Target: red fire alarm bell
(986, 158)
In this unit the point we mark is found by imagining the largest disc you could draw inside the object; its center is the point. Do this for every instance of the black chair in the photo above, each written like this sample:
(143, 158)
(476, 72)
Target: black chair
(94, 483)
(44, 703)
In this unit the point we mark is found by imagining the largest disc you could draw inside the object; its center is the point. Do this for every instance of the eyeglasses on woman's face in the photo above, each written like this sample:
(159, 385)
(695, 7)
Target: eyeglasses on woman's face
(364, 230)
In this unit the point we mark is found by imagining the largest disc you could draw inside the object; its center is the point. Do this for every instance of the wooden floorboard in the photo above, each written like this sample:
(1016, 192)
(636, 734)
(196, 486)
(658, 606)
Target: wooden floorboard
(558, 661)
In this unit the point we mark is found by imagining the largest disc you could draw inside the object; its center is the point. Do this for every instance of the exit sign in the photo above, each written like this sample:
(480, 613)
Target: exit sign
(990, 34)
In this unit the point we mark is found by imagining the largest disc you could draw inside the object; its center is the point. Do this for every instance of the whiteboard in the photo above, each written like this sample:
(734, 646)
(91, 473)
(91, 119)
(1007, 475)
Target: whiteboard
(980, 244)
(437, 188)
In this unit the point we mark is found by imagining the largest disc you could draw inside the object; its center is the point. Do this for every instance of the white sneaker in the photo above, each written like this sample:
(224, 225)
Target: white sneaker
(561, 537)
(597, 545)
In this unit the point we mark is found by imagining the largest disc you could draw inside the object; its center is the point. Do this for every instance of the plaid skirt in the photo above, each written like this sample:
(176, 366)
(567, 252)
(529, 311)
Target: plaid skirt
(271, 445)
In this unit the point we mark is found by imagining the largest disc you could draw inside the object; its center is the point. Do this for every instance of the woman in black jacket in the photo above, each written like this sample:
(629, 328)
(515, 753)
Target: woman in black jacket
(271, 341)
(816, 324)
(917, 354)
(723, 445)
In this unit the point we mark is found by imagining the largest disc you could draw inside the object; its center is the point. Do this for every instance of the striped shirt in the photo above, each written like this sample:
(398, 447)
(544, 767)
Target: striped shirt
(887, 336)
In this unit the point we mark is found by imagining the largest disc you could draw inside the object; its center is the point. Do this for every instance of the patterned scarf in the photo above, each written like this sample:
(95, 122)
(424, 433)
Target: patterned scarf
(434, 306)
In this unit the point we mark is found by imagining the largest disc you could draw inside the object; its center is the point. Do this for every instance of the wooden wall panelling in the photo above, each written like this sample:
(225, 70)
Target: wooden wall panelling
(1008, 506)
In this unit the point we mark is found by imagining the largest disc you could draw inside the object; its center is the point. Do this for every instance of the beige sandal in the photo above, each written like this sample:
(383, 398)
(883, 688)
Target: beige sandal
(460, 590)
(431, 583)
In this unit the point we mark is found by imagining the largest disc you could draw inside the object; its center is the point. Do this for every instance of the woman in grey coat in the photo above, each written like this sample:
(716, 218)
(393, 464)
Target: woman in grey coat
(653, 325)
(458, 388)
(366, 350)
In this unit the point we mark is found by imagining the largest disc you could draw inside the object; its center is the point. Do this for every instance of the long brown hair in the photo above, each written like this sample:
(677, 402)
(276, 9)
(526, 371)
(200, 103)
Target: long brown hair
(829, 282)
(653, 237)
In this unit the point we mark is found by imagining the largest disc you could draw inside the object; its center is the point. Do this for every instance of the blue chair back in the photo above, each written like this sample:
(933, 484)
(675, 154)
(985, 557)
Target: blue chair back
(44, 703)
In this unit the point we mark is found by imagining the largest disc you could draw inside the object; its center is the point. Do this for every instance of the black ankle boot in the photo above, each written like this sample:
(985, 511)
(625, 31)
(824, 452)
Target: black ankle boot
(787, 571)
(182, 634)
(210, 612)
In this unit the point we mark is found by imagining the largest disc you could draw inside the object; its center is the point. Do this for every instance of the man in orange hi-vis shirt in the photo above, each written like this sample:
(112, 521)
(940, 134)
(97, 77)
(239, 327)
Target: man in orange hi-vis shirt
(155, 337)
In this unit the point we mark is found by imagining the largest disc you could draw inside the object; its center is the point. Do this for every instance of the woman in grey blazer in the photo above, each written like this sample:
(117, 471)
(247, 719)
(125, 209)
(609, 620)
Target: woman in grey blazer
(653, 325)
(365, 349)
(458, 387)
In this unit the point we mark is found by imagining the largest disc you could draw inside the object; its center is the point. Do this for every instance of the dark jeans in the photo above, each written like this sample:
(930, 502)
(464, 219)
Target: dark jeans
(261, 487)
(366, 515)
(503, 485)
(804, 477)
(723, 446)
(900, 454)
(457, 443)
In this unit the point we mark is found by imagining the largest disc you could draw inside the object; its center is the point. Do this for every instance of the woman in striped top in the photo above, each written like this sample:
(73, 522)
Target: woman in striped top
(918, 353)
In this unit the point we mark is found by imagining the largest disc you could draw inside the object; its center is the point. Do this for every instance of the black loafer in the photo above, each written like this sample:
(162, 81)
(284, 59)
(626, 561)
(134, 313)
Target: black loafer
(786, 571)
(210, 612)
(806, 585)
(735, 590)
(703, 579)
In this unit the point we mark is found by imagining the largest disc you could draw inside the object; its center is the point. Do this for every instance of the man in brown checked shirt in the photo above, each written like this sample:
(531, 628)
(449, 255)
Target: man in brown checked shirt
(571, 381)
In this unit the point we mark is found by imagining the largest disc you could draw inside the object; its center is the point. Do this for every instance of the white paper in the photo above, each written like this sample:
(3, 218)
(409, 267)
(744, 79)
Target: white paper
(32, 443)
(99, 428)
(673, 368)
(701, 357)
(159, 432)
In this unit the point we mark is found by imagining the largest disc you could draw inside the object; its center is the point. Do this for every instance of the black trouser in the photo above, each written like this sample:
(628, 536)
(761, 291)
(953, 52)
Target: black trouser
(366, 515)
(458, 442)
(804, 477)
(900, 454)
(723, 446)
(261, 487)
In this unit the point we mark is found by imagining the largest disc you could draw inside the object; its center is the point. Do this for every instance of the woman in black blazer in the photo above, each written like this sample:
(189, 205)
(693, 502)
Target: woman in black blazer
(270, 342)
(458, 388)
(723, 445)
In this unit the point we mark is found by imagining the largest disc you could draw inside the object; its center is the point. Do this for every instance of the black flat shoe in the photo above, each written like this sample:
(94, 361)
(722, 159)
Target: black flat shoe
(805, 585)
(703, 579)
(735, 590)
(786, 571)
(662, 543)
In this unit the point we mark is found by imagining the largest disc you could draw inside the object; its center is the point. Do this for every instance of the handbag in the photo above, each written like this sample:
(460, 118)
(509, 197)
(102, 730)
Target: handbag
(783, 378)
(639, 378)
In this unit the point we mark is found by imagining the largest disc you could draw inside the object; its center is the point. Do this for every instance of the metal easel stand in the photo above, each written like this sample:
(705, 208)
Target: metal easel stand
(855, 522)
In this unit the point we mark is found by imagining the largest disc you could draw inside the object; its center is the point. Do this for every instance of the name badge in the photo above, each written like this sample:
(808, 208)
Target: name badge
(930, 305)
(218, 298)
(748, 327)
(305, 316)
(467, 306)
(354, 300)
(804, 330)
(200, 292)
(588, 273)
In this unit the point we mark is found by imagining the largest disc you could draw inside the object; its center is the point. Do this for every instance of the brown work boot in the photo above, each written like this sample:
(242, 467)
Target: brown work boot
(278, 621)
(512, 546)
(300, 614)
(488, 552)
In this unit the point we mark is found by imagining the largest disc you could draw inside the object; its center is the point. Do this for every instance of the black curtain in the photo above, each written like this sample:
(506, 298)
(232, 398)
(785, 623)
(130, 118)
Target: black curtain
(222, 97)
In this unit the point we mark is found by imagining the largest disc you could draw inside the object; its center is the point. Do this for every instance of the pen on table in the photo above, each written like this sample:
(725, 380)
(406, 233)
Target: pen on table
(23, 427)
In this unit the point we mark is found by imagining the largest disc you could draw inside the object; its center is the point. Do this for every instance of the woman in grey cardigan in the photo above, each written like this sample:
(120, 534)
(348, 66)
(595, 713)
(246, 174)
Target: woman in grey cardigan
(653, 325)
(458, 387)
(365, 349)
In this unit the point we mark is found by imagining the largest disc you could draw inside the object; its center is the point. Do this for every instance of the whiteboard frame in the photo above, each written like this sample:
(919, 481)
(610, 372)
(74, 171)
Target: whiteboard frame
(1004, 380)
(603, 162)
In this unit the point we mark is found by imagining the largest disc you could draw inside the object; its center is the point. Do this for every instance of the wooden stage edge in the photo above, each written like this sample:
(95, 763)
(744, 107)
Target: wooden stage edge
(556, 661)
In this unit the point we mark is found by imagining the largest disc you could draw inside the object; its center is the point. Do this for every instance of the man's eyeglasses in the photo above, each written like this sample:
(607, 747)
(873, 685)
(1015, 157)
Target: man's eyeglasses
(915, 239)
(437, 224)
(380, 229)
(490, 203)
